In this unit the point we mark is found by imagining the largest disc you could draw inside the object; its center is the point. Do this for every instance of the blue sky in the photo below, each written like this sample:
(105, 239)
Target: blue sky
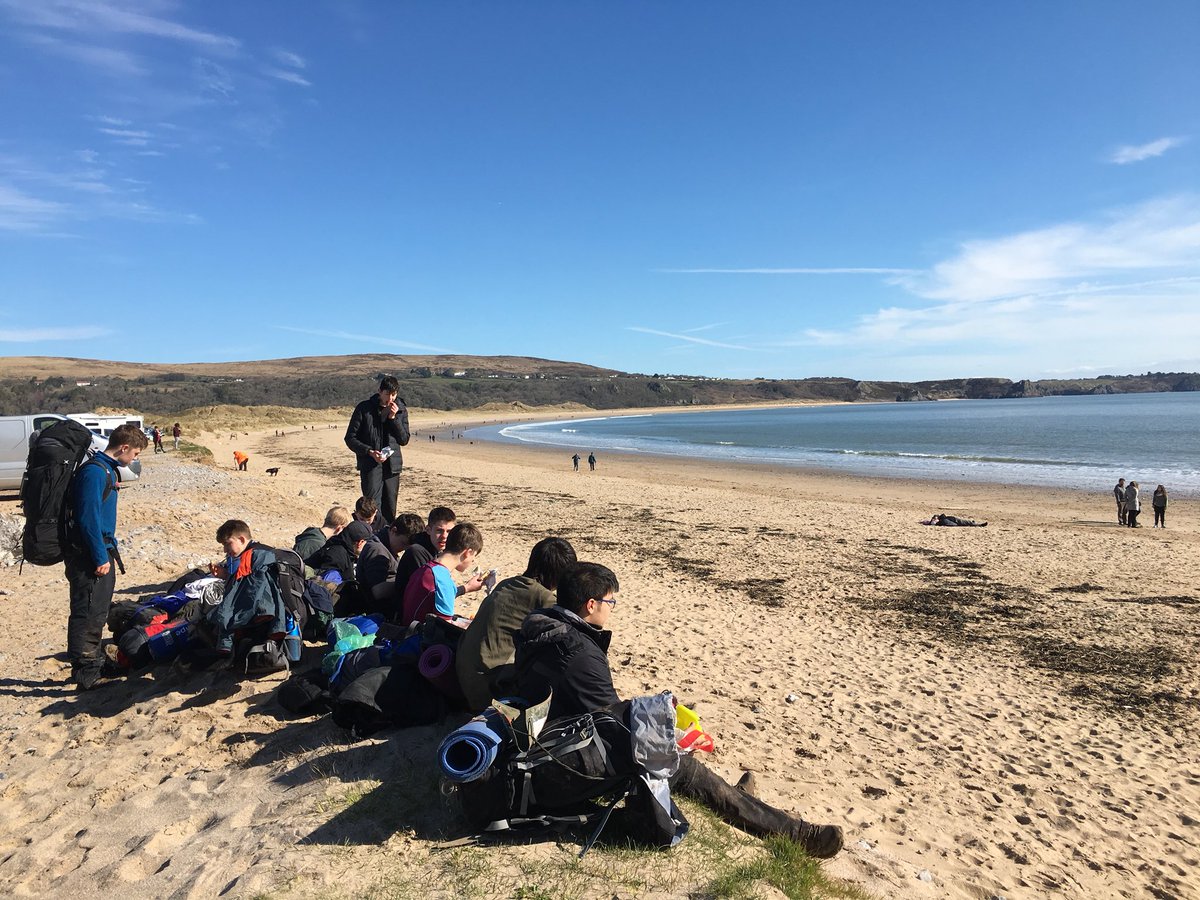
(873, 190)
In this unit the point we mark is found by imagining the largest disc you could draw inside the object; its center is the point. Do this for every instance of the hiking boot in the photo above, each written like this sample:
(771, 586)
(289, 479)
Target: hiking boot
(85, 677)
(747, 785)
(819, 841)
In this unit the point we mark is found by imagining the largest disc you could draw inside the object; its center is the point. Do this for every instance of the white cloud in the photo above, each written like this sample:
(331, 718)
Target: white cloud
(791, 271)
(289, 59)
(89, 18)
(1159, 235)
(363, 338)
(288, 76)
(34, 335)
(685, 337)
(20, 211)
(1138, 152)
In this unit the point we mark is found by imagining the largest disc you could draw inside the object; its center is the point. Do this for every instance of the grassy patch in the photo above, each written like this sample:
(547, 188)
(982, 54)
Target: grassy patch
(785, 867)
(196, 453)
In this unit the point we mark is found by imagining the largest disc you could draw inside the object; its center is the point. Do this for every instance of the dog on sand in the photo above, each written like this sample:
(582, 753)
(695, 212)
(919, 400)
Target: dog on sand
(273, 470)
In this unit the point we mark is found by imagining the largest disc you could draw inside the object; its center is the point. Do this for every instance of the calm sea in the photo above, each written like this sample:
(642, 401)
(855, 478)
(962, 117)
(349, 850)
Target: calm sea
(1076, 442)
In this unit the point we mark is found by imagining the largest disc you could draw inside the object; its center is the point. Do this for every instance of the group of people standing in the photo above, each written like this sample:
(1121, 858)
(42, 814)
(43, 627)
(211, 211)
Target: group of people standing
(1129, 504)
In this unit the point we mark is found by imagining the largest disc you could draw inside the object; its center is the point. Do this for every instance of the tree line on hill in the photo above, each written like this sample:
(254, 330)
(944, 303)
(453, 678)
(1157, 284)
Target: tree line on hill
(167, 394)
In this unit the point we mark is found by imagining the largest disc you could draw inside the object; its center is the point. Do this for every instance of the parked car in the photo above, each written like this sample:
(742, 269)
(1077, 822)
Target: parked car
(16, 436)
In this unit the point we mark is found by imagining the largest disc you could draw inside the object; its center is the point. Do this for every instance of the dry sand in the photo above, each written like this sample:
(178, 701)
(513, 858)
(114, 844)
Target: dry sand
(1004, 711)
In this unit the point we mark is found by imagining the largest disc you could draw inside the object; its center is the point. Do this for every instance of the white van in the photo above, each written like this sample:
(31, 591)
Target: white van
(16, 436)
(104, 425)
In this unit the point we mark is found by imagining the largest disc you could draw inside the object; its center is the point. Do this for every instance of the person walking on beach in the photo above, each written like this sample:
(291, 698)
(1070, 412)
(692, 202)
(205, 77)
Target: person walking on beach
(176, 433)
(575, 459)
(91, 550)
(1159, 502)
(1133, 505)
(592, 461)
(1119, 493)
(158, 445)
(377, 430)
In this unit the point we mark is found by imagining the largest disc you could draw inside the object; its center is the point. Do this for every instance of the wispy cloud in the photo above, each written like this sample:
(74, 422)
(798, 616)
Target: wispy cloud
(38, 198)
(1159, 235)
(1132, 153)
(288, 58)
(364, 338)
(286, 75)
(34, 335)
(90, 18)
(705, 327)
(686, 337)
(20, 211)
(287, 67)
(1110, 294)
(858, 270)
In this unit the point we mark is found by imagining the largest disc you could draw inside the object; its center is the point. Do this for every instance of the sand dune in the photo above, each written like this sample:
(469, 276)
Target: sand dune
(1009, 711)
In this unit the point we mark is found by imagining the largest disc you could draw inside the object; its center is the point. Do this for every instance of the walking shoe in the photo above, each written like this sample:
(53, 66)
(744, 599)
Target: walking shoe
(747, 785)
(819, 841)
(85, 678)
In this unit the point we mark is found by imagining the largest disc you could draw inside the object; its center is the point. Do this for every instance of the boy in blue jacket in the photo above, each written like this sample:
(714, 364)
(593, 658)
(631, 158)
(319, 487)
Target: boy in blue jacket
(91, 550)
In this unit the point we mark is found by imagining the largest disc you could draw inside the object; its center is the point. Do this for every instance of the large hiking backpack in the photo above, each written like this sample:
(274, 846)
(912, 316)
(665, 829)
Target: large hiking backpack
(288, 572)
(555, 781)
(54, 458)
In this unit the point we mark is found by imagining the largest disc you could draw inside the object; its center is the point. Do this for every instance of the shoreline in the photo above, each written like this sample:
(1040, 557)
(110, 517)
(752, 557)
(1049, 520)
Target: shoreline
(1015, 496)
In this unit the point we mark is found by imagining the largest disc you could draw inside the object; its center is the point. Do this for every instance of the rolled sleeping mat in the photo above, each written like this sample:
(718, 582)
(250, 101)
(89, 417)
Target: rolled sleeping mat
(436, 666)
(466, 753)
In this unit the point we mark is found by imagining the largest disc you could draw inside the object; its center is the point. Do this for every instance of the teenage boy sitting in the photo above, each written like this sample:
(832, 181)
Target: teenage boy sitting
(252, 595)
(564, 649)
(340, 551)
(310, 540)
(485, 653)
(376, 567)
(422, 549)
(432, 588)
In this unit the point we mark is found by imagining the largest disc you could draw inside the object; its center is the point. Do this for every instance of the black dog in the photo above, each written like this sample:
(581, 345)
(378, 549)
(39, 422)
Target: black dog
(273, 471)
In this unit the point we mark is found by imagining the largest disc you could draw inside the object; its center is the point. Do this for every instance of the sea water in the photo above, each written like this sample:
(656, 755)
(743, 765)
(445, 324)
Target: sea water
(1073, 442)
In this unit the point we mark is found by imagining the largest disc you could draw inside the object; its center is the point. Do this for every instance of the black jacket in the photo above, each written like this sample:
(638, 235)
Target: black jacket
(419, 552)
(369, 430)
(337, 553)
(376, 562)
(558, 651)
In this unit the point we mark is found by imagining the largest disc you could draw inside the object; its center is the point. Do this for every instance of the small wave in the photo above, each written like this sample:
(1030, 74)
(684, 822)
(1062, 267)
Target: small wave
(726, 443)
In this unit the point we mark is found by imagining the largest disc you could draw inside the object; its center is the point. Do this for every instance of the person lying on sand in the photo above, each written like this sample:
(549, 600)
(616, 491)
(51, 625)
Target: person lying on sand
(563, 652)
(943, 519)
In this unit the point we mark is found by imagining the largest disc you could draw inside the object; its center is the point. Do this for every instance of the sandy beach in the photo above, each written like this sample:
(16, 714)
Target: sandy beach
(1010, 711)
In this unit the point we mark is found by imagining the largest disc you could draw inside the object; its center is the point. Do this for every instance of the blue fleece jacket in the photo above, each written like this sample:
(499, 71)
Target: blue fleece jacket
(95, 517)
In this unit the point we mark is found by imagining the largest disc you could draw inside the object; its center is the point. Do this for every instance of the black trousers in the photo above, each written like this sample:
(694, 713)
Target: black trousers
(1131, 517)
(382, 490)
(735, 806)
(91, 596)
(1160, 516)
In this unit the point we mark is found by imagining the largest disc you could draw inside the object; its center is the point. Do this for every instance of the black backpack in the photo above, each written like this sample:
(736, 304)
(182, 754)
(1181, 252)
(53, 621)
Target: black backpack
(54, 458)
(288, 572)
(555, 781)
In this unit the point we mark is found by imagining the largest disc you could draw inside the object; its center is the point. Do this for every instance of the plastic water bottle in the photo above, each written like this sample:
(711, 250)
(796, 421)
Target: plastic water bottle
(293, 643)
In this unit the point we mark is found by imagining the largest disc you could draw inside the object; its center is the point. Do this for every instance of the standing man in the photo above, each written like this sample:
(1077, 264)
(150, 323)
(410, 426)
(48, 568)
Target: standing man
(575, 460)
(1119, 493)
(91, 549)
(592, 462)
(377, 430)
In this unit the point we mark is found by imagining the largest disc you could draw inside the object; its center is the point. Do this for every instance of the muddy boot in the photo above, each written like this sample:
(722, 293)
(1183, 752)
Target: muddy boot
(741, 809)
